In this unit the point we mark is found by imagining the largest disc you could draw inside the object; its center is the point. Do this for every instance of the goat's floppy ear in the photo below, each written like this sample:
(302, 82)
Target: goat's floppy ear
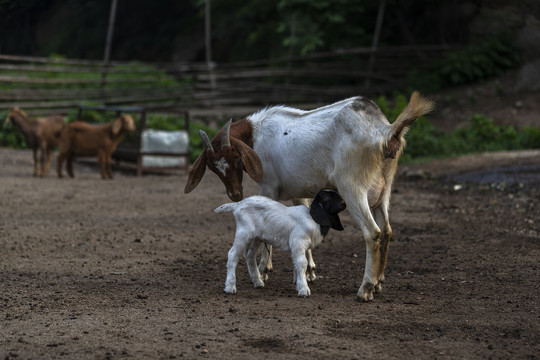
(336, 222)
(323, 218)
(117, 125)
(250, 159)
(196, 173)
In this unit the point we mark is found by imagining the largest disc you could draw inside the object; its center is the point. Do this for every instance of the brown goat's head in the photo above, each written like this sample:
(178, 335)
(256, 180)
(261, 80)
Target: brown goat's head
(227, 157)
(123, 123)
(14, 113)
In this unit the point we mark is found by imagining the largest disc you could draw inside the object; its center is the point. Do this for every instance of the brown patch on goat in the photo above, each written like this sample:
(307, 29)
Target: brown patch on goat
(241, 130)
(392, 148)
(240, 157)
(366, 105)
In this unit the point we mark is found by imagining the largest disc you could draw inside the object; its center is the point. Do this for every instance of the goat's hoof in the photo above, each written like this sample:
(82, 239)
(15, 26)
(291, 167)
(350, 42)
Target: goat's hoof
(304, 292)
(378, 288)
(365, 293)
(310, 275)
(230, 290)
(364, 297)
(258, 284)
(264, 276)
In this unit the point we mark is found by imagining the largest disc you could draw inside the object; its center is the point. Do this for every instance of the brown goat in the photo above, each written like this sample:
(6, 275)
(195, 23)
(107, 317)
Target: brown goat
(83, 139)
(39, 133)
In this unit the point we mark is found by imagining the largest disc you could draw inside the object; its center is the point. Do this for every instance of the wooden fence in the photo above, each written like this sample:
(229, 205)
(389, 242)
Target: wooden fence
(45, 85)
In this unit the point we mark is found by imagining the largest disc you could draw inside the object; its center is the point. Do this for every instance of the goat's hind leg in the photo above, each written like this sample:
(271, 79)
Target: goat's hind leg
(232, 261)
(265, 265)
(357, 203)
(381, 217)
(251, 260)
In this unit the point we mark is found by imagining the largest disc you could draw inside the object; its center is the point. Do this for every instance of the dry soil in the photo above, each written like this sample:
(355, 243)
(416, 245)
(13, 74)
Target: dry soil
(134, 268)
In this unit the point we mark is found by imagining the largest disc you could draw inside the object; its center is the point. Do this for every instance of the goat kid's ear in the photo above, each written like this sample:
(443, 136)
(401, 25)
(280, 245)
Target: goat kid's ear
(319, 214)
(196, 173)
(323, 218)
(117, 125)
(336, 222)
(250, 159)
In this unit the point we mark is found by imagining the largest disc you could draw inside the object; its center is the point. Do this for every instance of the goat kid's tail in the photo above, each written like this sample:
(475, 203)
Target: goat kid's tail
(226, 208)
(418, 106)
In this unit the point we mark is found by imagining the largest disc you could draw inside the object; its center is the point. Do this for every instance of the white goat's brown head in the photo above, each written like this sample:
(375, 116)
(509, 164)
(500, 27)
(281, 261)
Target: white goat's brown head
(228, 157)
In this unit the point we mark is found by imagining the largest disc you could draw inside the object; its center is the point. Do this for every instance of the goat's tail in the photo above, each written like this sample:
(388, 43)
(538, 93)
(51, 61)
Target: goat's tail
(226, 208)
(418, 106)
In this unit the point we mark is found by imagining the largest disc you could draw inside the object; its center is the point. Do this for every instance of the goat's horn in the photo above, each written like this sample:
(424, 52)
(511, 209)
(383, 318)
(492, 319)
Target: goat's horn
(225, 140)
(206, 141)
(6, 121)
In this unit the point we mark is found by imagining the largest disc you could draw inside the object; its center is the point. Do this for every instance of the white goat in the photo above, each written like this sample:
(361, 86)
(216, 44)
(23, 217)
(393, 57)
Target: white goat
(349, 146)
(295, 229)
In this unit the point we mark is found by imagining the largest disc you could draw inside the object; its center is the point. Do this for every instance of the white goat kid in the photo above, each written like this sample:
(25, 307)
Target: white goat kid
(349, 146)
(295, 229)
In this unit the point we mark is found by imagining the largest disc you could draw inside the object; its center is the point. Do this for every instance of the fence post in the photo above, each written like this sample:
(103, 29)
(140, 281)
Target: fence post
(112, 17)
(208, 45)
(375, 43)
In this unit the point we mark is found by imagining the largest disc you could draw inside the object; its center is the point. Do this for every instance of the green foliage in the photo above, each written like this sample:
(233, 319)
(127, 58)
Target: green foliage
(10, 135)
(425, 141)
(306, 26)
(478, 61)
(195, 142)
(169, 122)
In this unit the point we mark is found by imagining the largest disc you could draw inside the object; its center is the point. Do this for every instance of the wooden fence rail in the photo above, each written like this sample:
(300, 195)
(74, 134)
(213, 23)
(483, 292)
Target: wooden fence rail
(43, 85)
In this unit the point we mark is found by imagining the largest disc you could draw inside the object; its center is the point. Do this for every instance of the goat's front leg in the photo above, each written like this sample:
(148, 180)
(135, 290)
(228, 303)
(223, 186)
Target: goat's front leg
(109, 170)
(300, 266)
(42, 158)
(311, 276)
(310, 267)
(45, 171)
(102, 160)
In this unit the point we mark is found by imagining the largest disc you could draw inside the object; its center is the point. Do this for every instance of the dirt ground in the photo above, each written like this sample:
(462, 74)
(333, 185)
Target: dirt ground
(133, 268)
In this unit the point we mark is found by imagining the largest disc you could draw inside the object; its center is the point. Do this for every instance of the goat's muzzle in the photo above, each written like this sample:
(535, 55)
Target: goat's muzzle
(235, 196)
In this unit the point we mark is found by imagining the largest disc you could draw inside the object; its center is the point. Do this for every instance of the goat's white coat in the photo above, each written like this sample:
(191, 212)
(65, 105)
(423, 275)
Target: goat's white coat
(348, 146)
(305, 151)
(339, 146)
(260, 219)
